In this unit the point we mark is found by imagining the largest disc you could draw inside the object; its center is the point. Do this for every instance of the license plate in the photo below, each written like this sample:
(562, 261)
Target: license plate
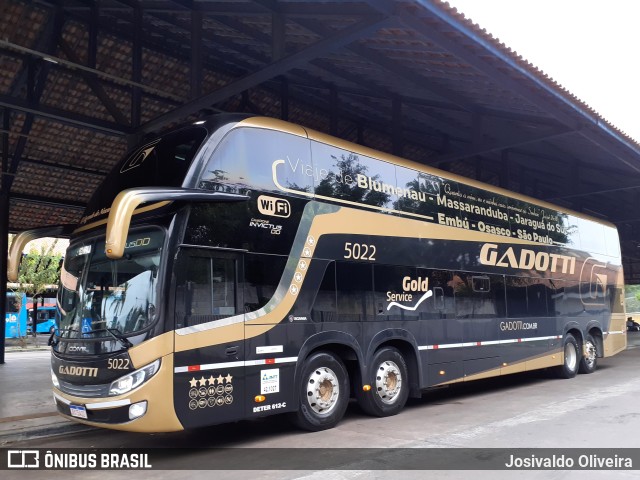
(78, 411)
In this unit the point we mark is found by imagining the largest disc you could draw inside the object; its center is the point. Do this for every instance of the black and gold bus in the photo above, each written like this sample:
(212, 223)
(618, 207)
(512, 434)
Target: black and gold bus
(242, 267)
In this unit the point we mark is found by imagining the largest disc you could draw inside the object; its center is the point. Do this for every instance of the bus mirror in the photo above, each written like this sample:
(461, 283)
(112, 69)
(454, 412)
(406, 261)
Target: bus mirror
(126, 203)
(21, 240)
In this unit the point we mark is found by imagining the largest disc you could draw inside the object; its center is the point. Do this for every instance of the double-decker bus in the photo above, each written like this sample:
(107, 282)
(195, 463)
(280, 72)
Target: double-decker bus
(242, 267)
(15, 319)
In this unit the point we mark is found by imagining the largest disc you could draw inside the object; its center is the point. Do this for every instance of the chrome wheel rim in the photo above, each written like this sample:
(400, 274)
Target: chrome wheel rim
(570, 356)
(388, 382)
(323, 390)
(590, 354)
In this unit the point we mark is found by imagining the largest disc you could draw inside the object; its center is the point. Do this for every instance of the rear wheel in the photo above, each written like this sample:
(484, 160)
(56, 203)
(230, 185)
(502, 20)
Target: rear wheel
(324, 392)
(569, 368)
(589, 357)
(389, 380)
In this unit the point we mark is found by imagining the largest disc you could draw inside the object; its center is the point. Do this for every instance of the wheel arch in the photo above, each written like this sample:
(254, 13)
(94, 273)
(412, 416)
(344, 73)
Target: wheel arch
(343, 345)
(595, 331)
(405, 343)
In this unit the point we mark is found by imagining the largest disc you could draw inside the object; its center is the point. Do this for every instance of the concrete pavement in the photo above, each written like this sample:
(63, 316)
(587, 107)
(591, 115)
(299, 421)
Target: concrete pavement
(26, 403)
(27, 410)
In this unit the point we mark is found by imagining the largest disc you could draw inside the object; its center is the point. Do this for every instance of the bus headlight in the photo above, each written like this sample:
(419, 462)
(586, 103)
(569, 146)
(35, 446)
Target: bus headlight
(54, 380)
(135, 379)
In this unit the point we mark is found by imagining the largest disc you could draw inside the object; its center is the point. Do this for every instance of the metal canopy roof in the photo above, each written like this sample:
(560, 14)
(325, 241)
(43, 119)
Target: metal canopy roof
(80, 80)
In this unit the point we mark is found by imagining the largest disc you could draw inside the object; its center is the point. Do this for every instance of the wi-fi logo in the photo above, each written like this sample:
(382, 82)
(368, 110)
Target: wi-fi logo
(274, 207)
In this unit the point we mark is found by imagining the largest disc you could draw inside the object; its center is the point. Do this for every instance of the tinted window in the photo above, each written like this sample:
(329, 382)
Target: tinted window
(262, 277)
(350, 176)
(208, 292)
(164, 161)
(517, 297)
(248, 158)
(426, 188)
(324, 305)
(13, 304)
(473, 300)
(355, 291)
(406, 293)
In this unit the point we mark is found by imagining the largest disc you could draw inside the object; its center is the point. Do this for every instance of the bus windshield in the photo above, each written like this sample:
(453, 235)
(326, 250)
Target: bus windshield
(100, 297)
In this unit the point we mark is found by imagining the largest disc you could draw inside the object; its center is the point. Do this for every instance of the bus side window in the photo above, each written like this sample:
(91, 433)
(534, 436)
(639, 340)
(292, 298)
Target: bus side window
(527, 297)
(355, 291)
(324, 305)
(438, 298)
(208, 290)
(478, 296)
(262, 274)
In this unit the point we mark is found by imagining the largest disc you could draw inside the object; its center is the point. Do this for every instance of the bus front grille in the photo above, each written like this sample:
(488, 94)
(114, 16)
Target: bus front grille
(87, 391)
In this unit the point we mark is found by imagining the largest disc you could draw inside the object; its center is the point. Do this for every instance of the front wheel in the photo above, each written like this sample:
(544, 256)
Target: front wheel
(324, 392)
(569, 368)
(389, 380)
(589, 357)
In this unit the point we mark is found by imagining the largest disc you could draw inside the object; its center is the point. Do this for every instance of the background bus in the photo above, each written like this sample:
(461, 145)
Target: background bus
(16, 315)
(46, 318)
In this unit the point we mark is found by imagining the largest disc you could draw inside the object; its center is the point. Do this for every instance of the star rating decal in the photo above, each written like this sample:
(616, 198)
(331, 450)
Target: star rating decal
(203, 382)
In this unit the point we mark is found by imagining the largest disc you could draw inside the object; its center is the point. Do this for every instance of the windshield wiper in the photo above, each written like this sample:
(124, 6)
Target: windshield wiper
(116, 334)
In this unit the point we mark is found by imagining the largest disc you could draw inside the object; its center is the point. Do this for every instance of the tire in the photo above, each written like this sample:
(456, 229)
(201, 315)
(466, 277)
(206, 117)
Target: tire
(589, 357)
(389, 379)
(324, 392)
(569, 367)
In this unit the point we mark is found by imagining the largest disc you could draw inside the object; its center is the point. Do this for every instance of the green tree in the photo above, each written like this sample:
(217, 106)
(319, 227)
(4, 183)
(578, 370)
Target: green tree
(38, 269)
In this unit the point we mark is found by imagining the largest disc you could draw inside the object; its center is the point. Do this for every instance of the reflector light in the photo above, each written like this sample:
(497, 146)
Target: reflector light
(366, 388)
(260, 398)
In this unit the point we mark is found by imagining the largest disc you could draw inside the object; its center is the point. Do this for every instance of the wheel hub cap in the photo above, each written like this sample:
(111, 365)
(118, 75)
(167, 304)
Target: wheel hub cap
(323, 390)
(388, 382)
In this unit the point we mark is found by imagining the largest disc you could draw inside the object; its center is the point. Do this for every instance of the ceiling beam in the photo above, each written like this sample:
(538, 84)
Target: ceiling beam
(48, 201)
(270, 71)
(63, 116)
(501, 144)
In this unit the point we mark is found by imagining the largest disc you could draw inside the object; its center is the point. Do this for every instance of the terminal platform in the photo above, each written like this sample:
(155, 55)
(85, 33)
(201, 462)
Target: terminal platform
(27, 410)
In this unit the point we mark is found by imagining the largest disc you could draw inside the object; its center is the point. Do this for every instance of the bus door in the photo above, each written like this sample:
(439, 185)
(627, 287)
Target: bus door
(443, 334)
(209, 337)
(480, 307)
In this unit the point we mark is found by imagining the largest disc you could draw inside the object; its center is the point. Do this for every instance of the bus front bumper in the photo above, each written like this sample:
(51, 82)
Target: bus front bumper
(148, 408)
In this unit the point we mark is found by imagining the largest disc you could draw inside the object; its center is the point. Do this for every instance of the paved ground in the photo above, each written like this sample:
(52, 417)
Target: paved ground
(520, 411)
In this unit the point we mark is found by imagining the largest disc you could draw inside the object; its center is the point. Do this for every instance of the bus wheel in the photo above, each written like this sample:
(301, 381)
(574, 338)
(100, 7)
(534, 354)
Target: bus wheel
(589, 358)
(324, 392)
(390, 384)
(571, 358)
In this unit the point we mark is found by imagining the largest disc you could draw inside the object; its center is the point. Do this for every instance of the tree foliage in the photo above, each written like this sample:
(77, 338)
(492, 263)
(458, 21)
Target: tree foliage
(38, 269)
